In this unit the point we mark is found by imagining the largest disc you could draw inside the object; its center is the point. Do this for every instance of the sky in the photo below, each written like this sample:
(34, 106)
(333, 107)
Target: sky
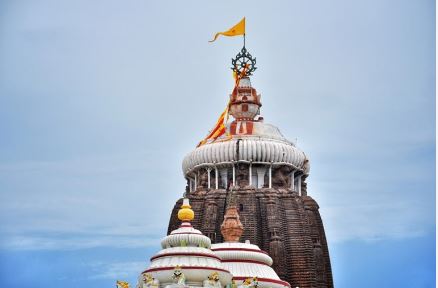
(101, 100)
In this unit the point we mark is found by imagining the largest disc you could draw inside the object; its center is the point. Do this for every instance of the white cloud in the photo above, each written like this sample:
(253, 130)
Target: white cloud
(118, 270)
(97, 202)
(76, 240)
(372, 206)
(374, 222)
(355, 204)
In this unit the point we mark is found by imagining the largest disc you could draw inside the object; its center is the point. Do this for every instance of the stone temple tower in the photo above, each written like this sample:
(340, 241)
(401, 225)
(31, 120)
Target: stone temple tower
(264, 175)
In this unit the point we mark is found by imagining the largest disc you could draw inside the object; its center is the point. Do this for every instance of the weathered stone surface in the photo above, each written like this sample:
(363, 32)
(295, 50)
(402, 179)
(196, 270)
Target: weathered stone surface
(281, 178)
(279, 221)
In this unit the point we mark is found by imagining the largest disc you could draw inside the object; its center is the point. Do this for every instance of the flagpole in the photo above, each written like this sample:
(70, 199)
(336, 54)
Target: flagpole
(244, 39)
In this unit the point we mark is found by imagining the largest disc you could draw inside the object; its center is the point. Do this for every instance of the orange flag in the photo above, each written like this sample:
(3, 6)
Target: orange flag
(220, 128)
(238, 29)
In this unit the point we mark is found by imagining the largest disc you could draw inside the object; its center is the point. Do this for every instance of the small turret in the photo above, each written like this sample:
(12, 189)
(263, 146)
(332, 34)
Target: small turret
(244, 101)
(231, 228)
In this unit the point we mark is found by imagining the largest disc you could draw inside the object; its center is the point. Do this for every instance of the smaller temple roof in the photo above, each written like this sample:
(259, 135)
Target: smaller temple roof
(187, 260)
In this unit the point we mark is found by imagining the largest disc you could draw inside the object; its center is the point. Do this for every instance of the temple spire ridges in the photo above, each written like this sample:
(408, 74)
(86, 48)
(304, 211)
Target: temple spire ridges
(231, 227)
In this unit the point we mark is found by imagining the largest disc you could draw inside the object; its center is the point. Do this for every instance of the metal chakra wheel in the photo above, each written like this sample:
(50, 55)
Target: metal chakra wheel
(242, 59)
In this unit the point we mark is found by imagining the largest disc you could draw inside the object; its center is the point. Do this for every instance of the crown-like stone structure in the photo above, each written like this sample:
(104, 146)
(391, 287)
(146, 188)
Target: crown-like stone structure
(244, 101)
(266, 175)
(232, 228)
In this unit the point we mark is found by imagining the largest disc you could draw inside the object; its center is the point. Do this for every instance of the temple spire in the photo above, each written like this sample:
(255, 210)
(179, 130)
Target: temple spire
(231, 228)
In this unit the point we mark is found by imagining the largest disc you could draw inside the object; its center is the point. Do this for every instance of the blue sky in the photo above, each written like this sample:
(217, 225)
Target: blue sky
(101, 100)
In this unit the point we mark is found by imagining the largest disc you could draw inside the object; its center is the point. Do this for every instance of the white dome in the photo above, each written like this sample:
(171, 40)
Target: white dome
(188, 248)
(265, 145)
(186, 235)
(246, 260)
(197, 264)
(241, 251)
(185, 257)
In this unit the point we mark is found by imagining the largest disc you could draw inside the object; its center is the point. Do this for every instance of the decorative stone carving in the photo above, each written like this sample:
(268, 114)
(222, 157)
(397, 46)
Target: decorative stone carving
(304, 186)
(277, 252)
(178, 277)
(149, 281)
(231, 228)
(213, 281)
(249, 283)
(306, 166)
(318, 254)
(209, 224)
(203, 179)
(281, 178)
(242, 175)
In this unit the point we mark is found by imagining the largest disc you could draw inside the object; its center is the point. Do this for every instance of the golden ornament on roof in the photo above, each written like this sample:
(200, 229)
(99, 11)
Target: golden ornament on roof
(186, 213)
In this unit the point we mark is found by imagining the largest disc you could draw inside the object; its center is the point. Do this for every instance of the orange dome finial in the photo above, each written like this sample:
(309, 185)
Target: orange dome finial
(231, 228)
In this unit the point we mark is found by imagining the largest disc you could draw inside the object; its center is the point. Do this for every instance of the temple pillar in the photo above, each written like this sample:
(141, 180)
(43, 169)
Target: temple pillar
(250, 174)
(224, 177)
(209, 178)
(216, 176)
(196, 181)
(234, 175)
(270, 176)
(292, 180)
(261, 171)
(299, 185)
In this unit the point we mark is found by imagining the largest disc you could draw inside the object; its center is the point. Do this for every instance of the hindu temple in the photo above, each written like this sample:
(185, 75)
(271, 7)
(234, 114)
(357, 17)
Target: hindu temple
(246, 169)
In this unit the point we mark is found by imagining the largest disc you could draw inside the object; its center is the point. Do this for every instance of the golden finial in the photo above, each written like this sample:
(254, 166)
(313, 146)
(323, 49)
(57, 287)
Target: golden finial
(186, 213)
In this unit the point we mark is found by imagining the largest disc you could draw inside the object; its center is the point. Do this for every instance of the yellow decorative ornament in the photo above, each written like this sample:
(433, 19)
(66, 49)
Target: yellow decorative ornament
(122, 284)
(186, 213)
(247, 281)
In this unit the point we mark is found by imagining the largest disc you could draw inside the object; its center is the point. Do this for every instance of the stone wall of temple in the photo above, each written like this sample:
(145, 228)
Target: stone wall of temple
(286, 225)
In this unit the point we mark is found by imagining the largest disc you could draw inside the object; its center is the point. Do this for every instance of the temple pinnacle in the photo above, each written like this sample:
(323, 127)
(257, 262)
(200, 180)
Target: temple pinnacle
(186, 213)
(243, 63)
